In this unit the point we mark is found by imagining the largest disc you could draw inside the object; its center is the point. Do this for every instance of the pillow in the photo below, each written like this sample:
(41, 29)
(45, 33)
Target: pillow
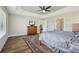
(76, 34)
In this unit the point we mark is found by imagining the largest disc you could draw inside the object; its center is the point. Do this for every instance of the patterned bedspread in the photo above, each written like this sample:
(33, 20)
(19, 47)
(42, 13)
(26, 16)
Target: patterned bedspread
(62, 40)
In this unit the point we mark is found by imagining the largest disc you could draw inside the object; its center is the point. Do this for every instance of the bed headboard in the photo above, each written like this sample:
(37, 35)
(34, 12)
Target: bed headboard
(75, 27)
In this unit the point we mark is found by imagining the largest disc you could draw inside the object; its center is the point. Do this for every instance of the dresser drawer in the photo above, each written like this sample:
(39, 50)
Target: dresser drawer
(32, 30)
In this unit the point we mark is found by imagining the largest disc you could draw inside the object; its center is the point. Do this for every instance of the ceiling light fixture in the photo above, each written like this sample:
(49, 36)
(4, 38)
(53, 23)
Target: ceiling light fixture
(43, 11)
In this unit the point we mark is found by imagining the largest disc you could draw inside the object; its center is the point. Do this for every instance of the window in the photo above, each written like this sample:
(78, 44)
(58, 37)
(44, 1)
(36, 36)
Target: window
(1, 22)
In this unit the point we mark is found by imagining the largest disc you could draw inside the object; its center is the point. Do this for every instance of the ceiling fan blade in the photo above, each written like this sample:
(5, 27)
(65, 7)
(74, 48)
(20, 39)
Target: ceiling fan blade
(48, 10)
(48, 7)
(41, 7)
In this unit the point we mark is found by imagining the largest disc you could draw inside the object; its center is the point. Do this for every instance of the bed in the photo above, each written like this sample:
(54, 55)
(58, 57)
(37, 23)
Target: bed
(62, 41)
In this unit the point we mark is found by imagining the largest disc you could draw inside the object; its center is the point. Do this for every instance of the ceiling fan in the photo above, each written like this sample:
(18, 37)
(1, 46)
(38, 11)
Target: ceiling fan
(44, 9)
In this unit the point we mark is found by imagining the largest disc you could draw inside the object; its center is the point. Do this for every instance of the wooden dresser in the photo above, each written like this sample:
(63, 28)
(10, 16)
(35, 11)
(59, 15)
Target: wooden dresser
(32, 30)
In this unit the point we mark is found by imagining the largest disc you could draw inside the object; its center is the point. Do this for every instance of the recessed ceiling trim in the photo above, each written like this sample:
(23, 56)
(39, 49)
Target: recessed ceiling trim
(19, 11)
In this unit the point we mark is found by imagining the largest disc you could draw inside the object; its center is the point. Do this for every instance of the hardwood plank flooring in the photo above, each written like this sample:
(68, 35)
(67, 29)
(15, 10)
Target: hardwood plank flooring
(16, 45)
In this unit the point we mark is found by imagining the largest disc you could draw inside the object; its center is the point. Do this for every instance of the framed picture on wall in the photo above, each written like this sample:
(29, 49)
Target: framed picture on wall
(31, 22)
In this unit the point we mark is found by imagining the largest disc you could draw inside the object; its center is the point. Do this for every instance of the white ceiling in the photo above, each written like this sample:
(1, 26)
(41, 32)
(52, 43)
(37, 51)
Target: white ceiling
(33, 10)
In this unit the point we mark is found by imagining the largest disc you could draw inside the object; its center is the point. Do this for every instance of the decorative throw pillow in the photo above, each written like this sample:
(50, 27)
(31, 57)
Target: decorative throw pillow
(76, 34)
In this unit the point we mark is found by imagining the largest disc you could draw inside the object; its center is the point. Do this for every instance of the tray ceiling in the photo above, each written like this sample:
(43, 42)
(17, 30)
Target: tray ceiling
(35, 9)
(32, 9)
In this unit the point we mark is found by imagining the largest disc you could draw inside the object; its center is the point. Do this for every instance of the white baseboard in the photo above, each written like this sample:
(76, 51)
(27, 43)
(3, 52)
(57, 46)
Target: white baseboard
(16, 35)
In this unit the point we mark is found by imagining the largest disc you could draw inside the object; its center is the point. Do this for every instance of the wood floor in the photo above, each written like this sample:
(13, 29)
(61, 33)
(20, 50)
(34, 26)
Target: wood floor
(16, 45)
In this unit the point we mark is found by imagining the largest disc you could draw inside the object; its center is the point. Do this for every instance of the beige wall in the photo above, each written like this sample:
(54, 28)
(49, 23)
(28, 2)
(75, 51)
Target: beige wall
(69, 19)
(18, 24)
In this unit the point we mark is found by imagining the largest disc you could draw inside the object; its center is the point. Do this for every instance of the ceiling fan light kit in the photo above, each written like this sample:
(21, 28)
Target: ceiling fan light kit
(44, 9)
